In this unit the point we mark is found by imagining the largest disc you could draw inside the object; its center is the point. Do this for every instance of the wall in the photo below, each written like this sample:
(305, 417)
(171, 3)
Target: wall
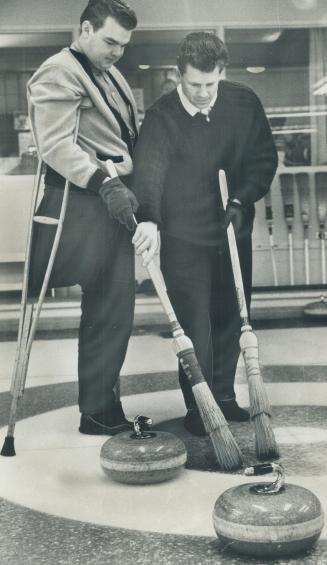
(171, 13)
(276, 87)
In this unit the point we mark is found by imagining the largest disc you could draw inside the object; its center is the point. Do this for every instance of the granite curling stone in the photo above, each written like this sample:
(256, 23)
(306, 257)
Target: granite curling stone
(268, 519)
(142, 456)
(316, 309)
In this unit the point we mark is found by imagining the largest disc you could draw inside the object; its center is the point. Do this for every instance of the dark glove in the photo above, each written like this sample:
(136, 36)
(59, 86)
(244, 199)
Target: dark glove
(120, 201)
(234, 214)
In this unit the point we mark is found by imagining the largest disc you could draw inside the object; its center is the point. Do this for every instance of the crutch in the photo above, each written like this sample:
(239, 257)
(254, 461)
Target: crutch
(286, 186)
(226, 449)
(265, 443)
(30, 309)
(270, 223)
(302, 183)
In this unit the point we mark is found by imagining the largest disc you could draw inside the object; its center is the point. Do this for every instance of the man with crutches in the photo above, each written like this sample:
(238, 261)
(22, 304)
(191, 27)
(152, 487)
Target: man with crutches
(204, 125)
(83, 113)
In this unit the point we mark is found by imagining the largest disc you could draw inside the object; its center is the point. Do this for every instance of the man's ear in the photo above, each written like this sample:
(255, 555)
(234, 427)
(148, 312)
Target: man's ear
(86, 28)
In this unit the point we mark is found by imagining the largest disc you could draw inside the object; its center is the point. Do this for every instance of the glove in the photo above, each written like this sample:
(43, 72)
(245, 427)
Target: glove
(120, 201)
(234, 214)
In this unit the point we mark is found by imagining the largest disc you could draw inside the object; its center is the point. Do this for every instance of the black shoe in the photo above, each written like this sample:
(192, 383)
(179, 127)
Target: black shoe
(232, 411)
(100, 424)
(193, 423)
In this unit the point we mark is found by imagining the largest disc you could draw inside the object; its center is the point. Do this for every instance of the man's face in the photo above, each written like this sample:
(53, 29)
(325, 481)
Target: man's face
(200, 87)
(106, 45)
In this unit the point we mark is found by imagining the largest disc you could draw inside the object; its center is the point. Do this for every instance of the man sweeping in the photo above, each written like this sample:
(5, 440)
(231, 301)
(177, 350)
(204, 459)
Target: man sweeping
(204, 125)
(80, 89)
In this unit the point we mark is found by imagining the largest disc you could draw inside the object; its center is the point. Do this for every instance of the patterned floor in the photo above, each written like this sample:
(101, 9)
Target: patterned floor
(57, 505)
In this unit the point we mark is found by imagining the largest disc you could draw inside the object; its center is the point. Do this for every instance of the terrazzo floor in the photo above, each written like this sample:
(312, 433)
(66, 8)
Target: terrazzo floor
(58, 507)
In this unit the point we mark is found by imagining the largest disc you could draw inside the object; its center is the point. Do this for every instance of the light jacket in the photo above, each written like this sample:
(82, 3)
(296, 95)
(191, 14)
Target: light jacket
(57, 89)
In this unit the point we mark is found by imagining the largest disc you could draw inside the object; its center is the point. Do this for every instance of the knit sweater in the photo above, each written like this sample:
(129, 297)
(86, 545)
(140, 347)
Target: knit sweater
(177, 158)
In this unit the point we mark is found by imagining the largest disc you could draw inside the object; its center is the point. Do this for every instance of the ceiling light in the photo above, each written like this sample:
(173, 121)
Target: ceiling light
(321, 90)
(255, 70)
(320, 87)
(271, 37)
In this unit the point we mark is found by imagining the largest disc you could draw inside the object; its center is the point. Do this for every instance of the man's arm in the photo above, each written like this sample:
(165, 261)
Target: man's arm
(151, 162)
(53, 110)
(260, 160)
(53, 107)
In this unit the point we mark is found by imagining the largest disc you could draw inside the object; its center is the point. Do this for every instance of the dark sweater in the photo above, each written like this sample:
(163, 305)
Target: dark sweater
(178, 156)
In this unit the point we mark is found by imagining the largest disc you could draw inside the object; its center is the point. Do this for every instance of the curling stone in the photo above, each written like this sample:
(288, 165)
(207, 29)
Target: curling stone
(144, 456)
(268, 519)
(316, 309)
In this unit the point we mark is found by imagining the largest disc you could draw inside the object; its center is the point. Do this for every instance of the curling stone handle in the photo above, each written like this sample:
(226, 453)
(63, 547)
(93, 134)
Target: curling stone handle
(265, 469)
(262, 469)
(141, 424)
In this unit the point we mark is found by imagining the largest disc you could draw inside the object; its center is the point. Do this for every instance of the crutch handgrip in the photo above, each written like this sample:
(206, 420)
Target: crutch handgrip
(111, 168)
(46, 220)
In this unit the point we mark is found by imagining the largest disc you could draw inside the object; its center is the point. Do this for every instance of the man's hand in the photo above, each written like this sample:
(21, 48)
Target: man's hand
(120, 201)
(234, 214)
(146, 240)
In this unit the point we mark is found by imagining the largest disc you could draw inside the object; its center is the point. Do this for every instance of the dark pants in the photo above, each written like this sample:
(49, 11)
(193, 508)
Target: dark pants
(96, 253)
(201, 287)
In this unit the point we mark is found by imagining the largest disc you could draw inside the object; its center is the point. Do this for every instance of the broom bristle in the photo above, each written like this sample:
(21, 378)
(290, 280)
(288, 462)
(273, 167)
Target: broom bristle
(259, 401)
(265, 443)
(227, 452)
(8, 448)
(266, 447)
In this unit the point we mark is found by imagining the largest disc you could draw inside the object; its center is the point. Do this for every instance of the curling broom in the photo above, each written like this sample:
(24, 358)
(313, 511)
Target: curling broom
(286, 188)
(302, 183)
(226, 449)
(265, 443)
(321, 186)
(318, 309)
(269, 221)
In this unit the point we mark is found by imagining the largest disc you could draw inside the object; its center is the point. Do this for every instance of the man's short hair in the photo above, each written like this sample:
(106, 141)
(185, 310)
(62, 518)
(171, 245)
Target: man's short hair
(203, 51)
(97, 11)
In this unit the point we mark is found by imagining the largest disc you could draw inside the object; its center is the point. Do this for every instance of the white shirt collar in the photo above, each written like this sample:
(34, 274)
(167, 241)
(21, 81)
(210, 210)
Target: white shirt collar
(189, 107)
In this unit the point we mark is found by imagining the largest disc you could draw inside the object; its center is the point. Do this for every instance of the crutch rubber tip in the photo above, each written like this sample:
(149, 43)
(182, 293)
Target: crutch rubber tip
(8, 448)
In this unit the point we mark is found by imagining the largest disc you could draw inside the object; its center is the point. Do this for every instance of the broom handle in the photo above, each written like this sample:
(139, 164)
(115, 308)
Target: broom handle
(154, 272)
(234, 256)
(269, 222)
(273, 259)
(302, 181)
(306, 260)
(291, 254)
(321, 186)
(286, 189)
(323, 260)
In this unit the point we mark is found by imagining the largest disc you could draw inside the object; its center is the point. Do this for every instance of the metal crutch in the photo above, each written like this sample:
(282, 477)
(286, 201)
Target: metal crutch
(30, 310)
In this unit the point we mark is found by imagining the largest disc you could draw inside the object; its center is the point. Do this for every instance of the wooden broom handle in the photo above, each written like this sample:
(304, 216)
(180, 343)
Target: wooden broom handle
(154, 271)
(234, 252)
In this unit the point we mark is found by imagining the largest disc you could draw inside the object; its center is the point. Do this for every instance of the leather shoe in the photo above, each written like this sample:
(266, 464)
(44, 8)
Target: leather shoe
(232, 411)
(104, 424)
(193, 423)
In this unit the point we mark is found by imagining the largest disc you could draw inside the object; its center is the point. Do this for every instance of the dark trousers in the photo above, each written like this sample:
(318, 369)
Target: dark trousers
(201, 287)
(96, 253)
